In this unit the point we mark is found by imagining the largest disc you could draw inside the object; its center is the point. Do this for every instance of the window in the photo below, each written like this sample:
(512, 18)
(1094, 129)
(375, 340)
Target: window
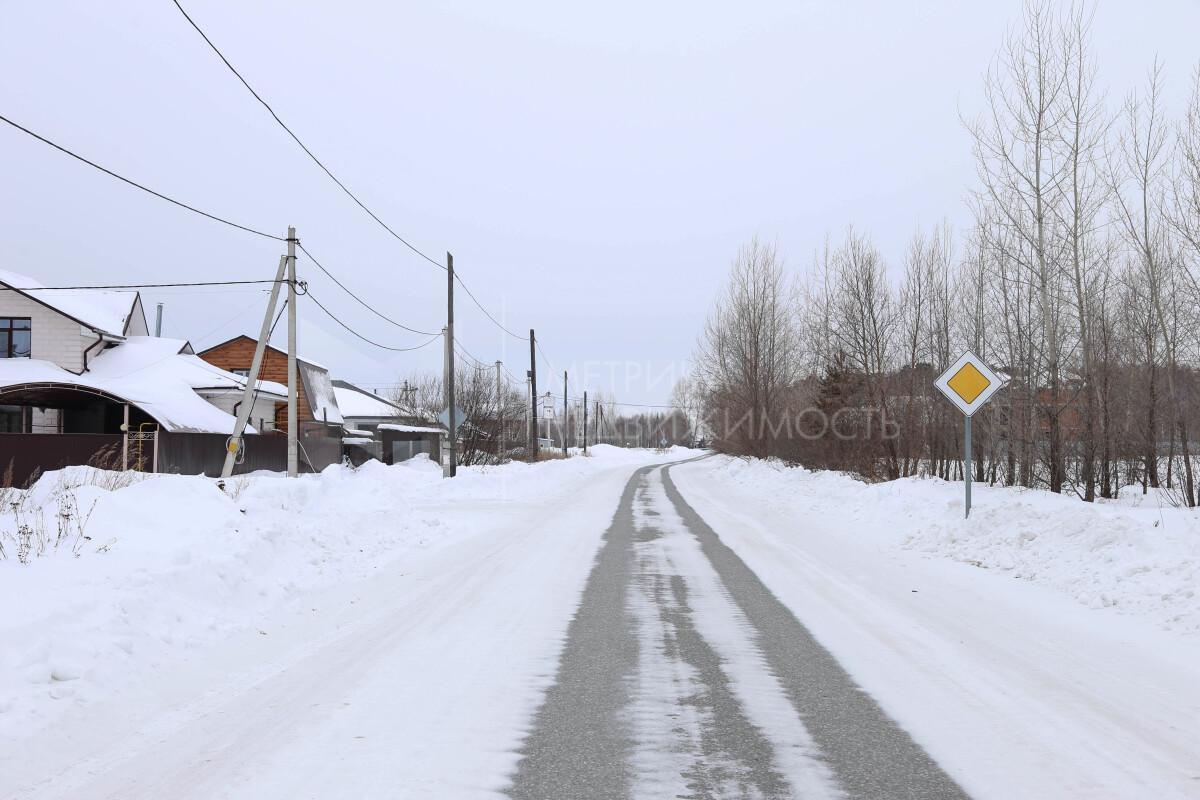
(14, 337)
(13, 419)
(245, 373)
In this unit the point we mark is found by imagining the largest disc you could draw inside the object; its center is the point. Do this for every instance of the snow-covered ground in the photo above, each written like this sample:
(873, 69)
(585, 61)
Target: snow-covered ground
(179, 586)
(383, 632)
(1045, 649)
(1136, 555)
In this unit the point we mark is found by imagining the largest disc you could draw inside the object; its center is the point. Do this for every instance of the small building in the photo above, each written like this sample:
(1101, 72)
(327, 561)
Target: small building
(365, 411)
(382, 428)
(400, 442)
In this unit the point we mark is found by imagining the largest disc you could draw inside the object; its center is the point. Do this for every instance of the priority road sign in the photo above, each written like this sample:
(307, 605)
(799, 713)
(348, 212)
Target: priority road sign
(968, 383)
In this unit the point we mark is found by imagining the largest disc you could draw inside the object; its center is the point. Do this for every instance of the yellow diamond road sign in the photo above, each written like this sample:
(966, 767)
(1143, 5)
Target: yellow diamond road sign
(968, 383)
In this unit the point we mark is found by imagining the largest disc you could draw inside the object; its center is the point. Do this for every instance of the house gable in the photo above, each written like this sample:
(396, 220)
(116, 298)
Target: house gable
(238, 354)
(69, 326)
(135, 323)
(54, 336)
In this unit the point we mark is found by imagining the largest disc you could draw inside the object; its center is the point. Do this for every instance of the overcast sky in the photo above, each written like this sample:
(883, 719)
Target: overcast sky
(592, 170)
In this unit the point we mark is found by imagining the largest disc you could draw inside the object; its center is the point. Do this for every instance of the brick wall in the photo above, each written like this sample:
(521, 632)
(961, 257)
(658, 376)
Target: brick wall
(239, 354)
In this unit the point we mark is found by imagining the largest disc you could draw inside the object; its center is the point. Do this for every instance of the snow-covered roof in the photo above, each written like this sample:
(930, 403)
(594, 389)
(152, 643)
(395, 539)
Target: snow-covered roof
(319, 389)
(357, 440)
(104, 310)
(166, 358)
(358, 432)
(150, 373)
(390, 426)
(357, 403)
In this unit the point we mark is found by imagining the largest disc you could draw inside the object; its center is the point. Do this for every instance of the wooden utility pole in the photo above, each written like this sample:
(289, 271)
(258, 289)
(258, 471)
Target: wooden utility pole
(452, 467)
(293, 453)
(499, 417)
(585, 420)
(533, 396)
(566, 418)
(234, 443)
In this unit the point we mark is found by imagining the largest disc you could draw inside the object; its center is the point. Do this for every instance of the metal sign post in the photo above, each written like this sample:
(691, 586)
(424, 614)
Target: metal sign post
(967, 453)
(968, 383)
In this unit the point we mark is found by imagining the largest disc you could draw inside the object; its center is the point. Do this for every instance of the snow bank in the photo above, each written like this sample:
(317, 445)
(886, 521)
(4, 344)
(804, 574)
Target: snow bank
(145, 569)
(1134, 555)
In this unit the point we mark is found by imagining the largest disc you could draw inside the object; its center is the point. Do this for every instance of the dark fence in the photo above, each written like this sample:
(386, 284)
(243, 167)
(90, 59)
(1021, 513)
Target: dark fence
(320, 445)
(204, 453)
(26, 455)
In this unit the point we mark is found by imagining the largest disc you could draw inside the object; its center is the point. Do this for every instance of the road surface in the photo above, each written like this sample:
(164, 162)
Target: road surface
(683, 676)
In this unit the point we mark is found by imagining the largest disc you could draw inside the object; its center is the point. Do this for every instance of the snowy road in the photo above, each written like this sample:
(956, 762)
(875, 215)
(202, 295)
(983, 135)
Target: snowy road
(613, 628)
(683, 676)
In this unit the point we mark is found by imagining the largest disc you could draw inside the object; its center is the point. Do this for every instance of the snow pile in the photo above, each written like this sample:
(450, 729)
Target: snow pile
(124, 573)
(1132, 555)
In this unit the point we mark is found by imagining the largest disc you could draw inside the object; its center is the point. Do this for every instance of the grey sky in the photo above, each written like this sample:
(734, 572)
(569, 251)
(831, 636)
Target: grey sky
(593, 169)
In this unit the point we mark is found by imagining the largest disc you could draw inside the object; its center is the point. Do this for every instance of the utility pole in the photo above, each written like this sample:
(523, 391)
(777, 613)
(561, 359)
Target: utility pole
(158, 321)
(585, 420)
(293, 454)
(234, 443)
(566, 418)
(499, 417)
(452, 467)
(533, 396)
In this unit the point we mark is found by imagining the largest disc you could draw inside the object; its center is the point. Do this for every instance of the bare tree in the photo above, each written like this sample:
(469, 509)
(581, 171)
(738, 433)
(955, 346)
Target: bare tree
(864, 328)
(1014, 149)
(1084, 198)
(748, 352)
(1140, 181)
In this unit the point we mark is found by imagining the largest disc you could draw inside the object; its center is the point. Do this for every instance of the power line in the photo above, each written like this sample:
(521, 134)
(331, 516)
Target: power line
(229, 321)
(616, 403)
(538, 344)
(495, 321)
(462, 351)
(296, 138)
(333, 317)
(134, 286)
(137, 185)
(362, 302)
(333, 177)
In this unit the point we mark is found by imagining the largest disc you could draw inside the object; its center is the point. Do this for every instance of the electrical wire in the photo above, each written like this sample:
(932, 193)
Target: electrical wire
(137, 185)
(296, 138)
(362, 302)
(333, 317)
(229, 321)
(462, 351)
(333, 177)
(487, 313)
(538, 344)
(135, 286)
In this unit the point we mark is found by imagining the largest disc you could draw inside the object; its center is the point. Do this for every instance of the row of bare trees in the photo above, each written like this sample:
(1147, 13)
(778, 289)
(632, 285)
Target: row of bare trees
(1079, 280)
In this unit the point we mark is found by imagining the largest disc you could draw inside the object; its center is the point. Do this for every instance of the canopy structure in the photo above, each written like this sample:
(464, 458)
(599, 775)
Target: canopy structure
(161, 377)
